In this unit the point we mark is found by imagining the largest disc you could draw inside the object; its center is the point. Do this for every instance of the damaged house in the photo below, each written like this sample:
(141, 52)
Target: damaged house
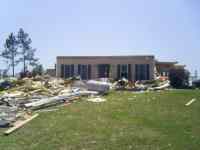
(142, 67)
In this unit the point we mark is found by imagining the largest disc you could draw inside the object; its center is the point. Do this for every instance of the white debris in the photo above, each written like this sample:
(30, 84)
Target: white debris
(190, 102)
(13, 94)
(96, 99)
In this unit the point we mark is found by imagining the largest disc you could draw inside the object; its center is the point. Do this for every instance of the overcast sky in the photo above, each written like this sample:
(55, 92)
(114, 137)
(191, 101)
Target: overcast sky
(168, 29)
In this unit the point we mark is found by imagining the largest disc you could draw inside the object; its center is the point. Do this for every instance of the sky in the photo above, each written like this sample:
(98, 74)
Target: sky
(168, 29)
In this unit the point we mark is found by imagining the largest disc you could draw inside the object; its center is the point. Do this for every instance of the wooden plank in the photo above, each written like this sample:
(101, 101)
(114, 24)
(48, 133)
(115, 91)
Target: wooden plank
(190, 102)
(19, 124)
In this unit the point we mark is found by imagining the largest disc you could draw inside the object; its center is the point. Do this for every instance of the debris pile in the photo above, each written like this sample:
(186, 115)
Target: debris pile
(152, 85)
(158, 84)
(19, 98)
(31, 94)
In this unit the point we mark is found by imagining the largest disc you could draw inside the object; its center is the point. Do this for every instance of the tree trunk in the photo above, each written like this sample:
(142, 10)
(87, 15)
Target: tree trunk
(13, 71)
(13, 66)
(24, 65)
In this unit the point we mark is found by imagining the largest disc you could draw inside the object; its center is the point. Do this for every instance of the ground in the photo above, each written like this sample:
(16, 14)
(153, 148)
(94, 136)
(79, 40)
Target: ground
(142, 121)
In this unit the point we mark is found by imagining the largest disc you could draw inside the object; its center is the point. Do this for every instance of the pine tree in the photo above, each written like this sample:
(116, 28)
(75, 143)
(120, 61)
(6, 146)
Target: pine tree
(27, 52)
(38, 70)
(10, 52)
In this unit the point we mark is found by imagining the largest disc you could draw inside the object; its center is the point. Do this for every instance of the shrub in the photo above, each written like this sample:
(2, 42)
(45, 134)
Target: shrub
(38, 70)
(196, 83)
(179, 78)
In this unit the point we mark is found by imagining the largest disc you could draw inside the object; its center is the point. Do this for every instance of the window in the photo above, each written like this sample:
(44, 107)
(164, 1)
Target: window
(67, 71)
(103, 70)
(142, 72)
(84, 71)
(124, 71)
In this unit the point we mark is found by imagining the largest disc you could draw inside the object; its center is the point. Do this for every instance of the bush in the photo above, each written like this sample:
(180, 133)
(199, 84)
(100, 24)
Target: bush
(196, 83)
(179, 78)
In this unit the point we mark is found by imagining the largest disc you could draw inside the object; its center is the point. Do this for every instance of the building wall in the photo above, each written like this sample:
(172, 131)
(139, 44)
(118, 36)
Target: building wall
(112, 60)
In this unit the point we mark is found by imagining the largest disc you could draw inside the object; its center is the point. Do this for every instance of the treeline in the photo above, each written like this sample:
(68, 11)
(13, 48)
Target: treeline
(17, 49)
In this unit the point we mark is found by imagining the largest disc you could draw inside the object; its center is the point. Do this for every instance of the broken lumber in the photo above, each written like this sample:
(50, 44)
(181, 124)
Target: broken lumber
(19, 124)
(47, 110)
(164, 86)
(190, 102)
(58, 99)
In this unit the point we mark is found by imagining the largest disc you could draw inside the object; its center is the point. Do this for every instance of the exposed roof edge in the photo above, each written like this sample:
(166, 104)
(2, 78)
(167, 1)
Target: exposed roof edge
(112, 56)
(181, 66)
(167, 62)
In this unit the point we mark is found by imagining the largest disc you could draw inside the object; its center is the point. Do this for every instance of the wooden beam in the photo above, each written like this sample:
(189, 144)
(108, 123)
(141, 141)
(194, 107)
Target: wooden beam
(19, 124)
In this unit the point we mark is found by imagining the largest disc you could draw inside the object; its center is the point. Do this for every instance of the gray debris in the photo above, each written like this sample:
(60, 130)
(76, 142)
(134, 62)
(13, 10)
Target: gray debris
(4, 123)
(99, 86)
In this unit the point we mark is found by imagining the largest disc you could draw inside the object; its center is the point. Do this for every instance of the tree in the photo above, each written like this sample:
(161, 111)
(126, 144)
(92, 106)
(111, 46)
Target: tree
(38, 70)
(179, 78)
(27, 52)
(10, 52)
(195, 74)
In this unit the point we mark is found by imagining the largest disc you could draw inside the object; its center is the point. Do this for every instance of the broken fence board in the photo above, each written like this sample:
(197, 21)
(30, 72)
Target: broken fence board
(190, 102)
(20, 124)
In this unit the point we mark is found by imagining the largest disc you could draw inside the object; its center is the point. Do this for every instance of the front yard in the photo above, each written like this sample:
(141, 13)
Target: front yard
(127, 120)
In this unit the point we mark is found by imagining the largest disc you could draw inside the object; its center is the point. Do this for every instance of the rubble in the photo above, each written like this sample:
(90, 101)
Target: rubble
(4, 123)
(96, 99)
(158, 84)
(163, 85)
(5, 84)
(100, 86)
(36, 94)
(32, 94)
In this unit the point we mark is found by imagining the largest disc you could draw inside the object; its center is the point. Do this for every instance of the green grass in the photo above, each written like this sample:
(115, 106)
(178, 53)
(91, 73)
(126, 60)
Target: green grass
(147, 121)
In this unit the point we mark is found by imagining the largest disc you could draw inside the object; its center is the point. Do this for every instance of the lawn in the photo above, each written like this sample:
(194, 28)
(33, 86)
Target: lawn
(127, 120)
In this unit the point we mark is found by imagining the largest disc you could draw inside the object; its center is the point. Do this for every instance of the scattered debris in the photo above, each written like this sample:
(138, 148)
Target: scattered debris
(146, 85)
(96, 99)
(4, 123)
(164, 85)
(47, 110)
(122, 83)
(4, 84)
(99, 86)
(18, 124)
(38, 94)
(190, 102)
(20, 96)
